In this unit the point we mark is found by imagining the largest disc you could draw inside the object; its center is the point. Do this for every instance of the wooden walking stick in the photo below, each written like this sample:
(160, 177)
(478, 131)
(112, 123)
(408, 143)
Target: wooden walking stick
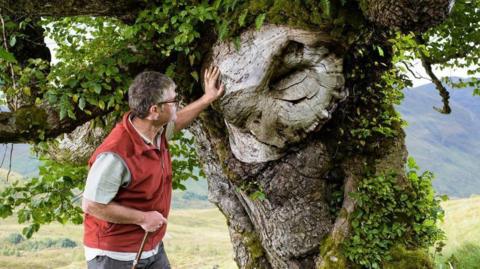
(139, 253)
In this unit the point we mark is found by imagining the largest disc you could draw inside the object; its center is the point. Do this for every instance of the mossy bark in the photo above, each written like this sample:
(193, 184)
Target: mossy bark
(55, 8)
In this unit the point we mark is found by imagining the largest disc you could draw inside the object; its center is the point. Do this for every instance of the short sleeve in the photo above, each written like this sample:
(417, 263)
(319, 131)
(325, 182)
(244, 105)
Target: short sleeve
(107, 174)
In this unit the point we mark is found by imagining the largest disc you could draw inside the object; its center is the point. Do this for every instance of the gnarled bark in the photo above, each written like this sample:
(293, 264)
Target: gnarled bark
(405, 15)
(125, 9)
(281, 84)
(34, 123)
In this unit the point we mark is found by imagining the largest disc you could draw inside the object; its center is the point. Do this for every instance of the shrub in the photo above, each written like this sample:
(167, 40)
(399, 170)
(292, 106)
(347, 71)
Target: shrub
(15, 238)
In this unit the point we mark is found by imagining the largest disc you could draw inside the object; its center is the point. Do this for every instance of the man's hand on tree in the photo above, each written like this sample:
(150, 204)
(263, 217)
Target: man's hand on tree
(210, 79)
(152, 221)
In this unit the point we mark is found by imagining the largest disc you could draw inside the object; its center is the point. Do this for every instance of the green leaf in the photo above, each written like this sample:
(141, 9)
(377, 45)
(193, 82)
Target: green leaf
(259, 21)
(237, 42)
(101, 104)
(194, 74)
(223, 30)
(257, 195)
(27, 91)
(13, 41)
(411, 163)
(97, 88)
(241, 18)
(71, 115)
(63, 113)
(380, 51)
(326, 7)
(7, 56)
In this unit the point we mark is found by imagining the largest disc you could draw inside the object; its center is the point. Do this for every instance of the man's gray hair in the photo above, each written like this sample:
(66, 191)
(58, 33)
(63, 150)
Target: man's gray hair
(147, 89)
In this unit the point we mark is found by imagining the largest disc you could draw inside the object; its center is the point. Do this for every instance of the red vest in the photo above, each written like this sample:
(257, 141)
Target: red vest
(150, 189)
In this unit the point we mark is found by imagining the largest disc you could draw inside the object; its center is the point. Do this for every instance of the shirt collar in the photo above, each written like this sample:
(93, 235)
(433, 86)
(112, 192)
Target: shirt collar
(140, 144)
(145, 139)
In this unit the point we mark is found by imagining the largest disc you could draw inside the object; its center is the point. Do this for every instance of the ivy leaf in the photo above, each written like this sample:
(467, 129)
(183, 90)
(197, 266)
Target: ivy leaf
(237, 42)
(380, 51)
(259, 21)
(81, 103)
(7, 56)
(223, 30)
(241, 18)
(257, 195)
(326, 7)
(194, 74)
(101, 104)
(97, 88)
(13, 41)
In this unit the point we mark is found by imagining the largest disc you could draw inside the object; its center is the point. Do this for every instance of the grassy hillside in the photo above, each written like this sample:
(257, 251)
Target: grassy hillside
(462, 225)
(198, 238)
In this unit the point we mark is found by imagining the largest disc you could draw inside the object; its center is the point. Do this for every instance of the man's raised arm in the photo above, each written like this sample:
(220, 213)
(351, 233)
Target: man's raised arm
(212, 93)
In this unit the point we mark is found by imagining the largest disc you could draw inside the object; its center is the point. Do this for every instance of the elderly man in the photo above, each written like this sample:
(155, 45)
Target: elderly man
(129, 185)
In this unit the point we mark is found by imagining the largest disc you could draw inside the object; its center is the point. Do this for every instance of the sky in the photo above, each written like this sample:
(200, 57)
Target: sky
(420, 71)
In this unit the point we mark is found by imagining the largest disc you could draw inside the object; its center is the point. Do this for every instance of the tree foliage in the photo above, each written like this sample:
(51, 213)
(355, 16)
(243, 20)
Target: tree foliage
(96, 58)
(390, 214)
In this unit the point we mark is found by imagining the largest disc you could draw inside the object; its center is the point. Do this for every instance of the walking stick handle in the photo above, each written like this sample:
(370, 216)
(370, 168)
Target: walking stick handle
(139, 253)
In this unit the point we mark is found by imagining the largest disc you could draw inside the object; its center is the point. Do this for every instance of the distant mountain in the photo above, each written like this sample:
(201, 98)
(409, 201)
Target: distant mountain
(23, 162)
(448, 145)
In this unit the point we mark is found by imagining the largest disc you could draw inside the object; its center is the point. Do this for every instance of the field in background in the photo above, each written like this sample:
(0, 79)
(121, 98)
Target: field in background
(198, 238)
(462, 225)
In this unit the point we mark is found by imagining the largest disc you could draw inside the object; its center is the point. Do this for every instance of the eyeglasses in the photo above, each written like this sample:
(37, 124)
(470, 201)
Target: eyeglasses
(174, 101)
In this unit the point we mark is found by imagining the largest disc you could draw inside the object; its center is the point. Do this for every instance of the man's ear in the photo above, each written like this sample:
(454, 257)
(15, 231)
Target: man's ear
(156, 108)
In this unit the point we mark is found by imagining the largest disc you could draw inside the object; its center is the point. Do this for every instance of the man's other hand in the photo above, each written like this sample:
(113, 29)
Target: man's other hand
(152, 221)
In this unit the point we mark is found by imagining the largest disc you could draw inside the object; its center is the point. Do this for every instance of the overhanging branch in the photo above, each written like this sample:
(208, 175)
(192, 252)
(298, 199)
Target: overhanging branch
(33, 123)
(124, 9)
(427, 64)
(416, 16)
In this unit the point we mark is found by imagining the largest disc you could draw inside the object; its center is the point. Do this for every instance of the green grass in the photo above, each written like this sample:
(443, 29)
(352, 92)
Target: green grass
(198, 238)
(462, 226)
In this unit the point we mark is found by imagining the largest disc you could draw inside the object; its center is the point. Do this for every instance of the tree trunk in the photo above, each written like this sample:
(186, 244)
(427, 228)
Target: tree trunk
(270, 136)
(289, 227)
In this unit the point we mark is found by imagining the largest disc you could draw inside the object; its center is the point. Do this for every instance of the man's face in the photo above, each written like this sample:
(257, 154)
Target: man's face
(169, 108)
(165, 110)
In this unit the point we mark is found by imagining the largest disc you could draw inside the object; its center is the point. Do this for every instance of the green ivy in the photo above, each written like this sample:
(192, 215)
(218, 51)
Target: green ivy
(390, 213)
(253, 189)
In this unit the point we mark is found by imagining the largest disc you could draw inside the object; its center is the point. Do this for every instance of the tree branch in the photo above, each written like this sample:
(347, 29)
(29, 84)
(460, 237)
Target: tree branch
(415, 75)
(10, 163)
(124, 9)
(427, 64)
(31, 123)
(416, 16)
